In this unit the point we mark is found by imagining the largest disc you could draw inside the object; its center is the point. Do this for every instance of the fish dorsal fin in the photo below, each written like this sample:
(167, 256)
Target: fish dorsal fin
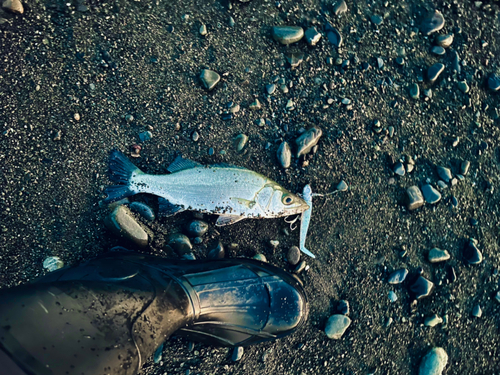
(226, 165)
(180, 164)
(228, 219)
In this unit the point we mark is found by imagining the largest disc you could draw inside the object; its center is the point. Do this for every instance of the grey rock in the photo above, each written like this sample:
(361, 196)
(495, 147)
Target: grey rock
(437, 255)
(284, 155)
(142, 209)
(442, 185)
(399, 169)
(494, 82)
(393, 296)
(195, 136)
(433, 362)
(421, 287)
(497, 297)
(444, 41)
(342, 186)
(477, 312)
(218, 252)
(428, 93)
(336, 326)
(380, 62)
(53, 263)
(343, 307)
(240, 142)
(433, 320)
(237, 353)
(293, 255)
(180, 243)
(433, 22)
(255, 105)
(13, 6)
(231, 22)
(463, 86)
(209, 78)
(312, 36)
(129, 118)
(122, 223)
(431, 195)
(145, 136)
(398, 276)
(444, 173)
(308, 140)
(270, 89)
(471, 253)
(197, 228)
(377, 20)
(455, 62)
(438, 50)
(415, 199)
(300, 267)
(434, 71)
(294, 58)
(287, 34)
(339, 7)
(414, 91)
(333, 36)
(260, 257)
(464, 167)
(203, 30)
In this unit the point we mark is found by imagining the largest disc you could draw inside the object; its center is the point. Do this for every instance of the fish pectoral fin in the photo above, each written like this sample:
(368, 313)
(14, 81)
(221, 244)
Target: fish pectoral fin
(244, 202)
(165, 208)
(228, 220)
(180, 164)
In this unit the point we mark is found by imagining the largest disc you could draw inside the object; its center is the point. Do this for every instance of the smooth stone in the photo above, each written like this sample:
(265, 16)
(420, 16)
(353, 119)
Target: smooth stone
(14, 6)
(398, 276)
(240, 142)
(197, 240)
(437, 255)
(415, 199)
(237, 354)
(497, 296)
(343, 307)
(431, 195)
(203, 30)
(433, 362)
(463, 86)
(442, 185)
(333, 36)
(260, 257)
(336, 326)
(145, 136)
(209, 78)
(284, 155)
(464, 167)
(122, 223)
(380, 62)
(393, 296)
(53, 263)
(428, 93)
(142, 209)
(294, 58)
(312, 36)
(180, 243)
(300, 267)
(444, 173)
(308, 140)
(274, 243)
(433, 320)
(438, 50)
(197, 228)
(270, 89)
(342, 186)
(432, 22)
(455, 62)
(414, 91)
(195, 136)
(421, 287)
(477, 312)
(471, 253)
(377, 20)
(255, 105)
(287, 34)
(340, 7)
(293, 255)
(434, 71)
(399, 169)
(444, 41)
(218, 252)
(494, 82)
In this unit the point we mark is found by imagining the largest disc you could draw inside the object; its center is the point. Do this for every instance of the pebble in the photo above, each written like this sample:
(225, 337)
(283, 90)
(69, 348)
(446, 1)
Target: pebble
(142, 209)
(455, 62)
(260, 257)
(415, 199)
(342, 186)
(231, 21)
(294, 58)
(414, 91)
(433, 320)
(333, 36)
(122, 223)
(218, 252)
(340, 7)
(312, 36)
(434, 71)
(428, 93)
(477, 312)
(270, 89)
(180, 243)
(437, 255)
(399, 169)
(197, 228)
(76, 116)
(380, 62)
(287, 34)
(444, 173)
(494, 82)
(421, 287)
(376, 20)
(284, 155)
(336, 326)
(346, 101)
(343, 307)
(393, 296)
(398, 276)
(237, 353)
(433, 362)
(129, 118)
(293, 255)
(431, 195)
(438, 50)
(308, 140)
(158, 354)
(300, 267)
(497, 296)
(195, 136)
(14, 6)
(145, 136)
(203, 30)
(444, 41)
(209, 78)
(53, 263)
(432, 22)
(463, 86)
(400, 61)
(464, 167)
(255, 105)
(471, 253)
(240, 142)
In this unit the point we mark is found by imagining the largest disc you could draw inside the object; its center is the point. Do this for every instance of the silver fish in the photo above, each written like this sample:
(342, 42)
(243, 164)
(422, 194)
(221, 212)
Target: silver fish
(305, 219)
(233, 193)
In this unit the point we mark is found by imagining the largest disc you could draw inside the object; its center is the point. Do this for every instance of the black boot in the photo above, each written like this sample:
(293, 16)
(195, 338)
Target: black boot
(107, 316)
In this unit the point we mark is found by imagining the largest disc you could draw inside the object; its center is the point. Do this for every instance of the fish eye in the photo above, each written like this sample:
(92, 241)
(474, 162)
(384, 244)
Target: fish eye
(287, 199)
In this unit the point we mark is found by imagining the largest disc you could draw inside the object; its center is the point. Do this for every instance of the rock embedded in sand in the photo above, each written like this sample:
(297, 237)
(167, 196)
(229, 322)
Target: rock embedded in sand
(471, 253)
(14, 6)
(444, 41)
(336, 326)
(414, 197)
(398, 276)
(287, 34)
(307, 141)
(209, 78)
(312, 36)
(431, 195)
(340, 7)
(122, 223)
(421, 287)
(284, 155)
(437, 255)
(434, 72)
(494, 82)
(433, 362)
(433, 22)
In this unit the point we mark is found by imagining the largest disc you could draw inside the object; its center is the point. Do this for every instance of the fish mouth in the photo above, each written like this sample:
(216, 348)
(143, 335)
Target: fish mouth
(297, 209)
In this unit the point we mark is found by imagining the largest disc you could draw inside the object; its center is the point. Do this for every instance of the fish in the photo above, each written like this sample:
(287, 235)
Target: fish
(233, 193)
(307, 195)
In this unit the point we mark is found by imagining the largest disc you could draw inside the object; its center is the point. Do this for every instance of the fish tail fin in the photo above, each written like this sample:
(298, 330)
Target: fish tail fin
(121, 170)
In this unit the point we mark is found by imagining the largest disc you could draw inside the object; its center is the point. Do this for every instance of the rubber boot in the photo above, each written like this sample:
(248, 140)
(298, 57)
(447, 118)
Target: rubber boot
(108, 315)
